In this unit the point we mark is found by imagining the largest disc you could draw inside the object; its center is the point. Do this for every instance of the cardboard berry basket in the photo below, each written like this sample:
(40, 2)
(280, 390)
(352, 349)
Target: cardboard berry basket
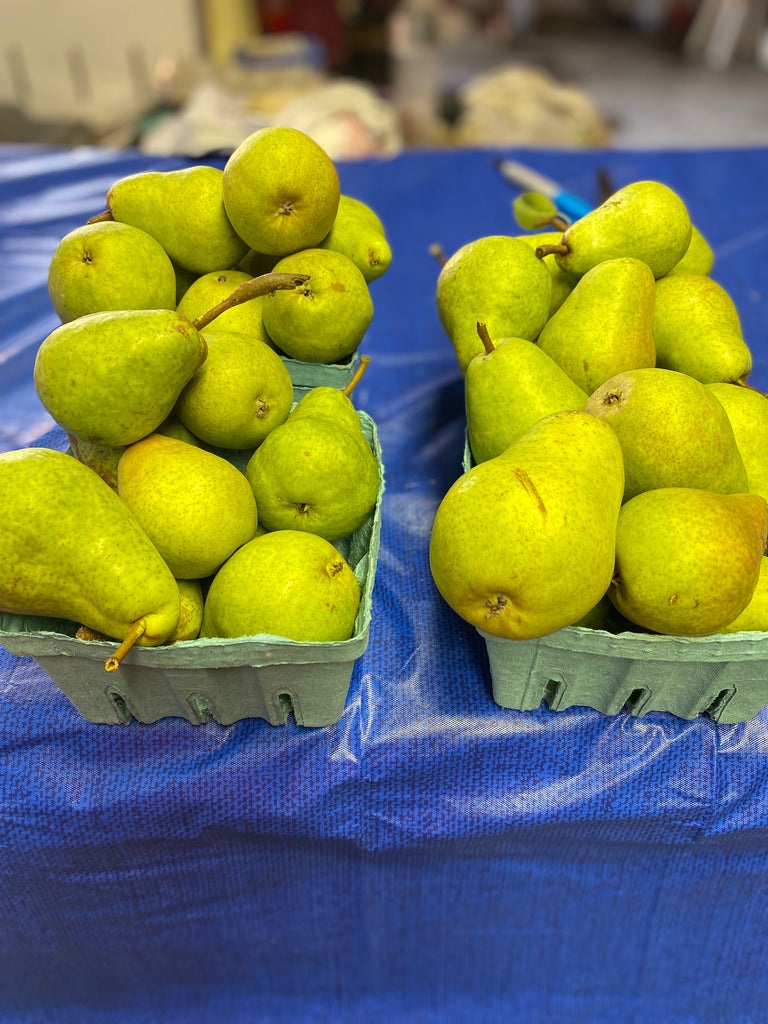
(223, 679)
(305, 376)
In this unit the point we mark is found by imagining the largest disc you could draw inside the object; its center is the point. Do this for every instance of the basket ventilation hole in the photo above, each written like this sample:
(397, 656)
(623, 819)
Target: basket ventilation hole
(636, 699)
(554, 693)
(720, 702)
(118, 703)
(285, 703)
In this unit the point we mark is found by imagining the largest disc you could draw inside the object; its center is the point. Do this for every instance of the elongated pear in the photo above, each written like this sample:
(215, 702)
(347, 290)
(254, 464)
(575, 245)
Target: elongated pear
(496, 280)
(359, 234)
(112, 377)
(605, 325)
(673, 432)
(688, 560)
(697, 330)
(508, 388)
(196, 507)
(646, 220)
(71, 549)
(747, 411)
(184, 211)
(699, 257)
(523, 543)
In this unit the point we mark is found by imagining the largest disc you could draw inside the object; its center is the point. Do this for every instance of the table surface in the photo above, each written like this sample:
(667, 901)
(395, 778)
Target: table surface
(431, 857)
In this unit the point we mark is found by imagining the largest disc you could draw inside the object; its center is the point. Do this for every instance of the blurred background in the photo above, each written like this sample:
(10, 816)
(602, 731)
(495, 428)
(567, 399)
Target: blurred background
(372, 77)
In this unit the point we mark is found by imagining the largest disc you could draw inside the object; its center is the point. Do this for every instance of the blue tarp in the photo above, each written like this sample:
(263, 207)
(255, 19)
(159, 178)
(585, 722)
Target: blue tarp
(432, 857)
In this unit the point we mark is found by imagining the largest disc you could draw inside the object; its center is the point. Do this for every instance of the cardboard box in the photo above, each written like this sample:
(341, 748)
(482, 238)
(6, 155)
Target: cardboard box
(223, 679)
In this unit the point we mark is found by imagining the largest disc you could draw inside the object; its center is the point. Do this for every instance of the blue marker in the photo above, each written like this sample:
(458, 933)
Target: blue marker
(531, 181)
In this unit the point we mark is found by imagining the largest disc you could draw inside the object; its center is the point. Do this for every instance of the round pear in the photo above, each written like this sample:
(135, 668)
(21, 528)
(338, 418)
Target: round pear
(286, 583)
(281, 191)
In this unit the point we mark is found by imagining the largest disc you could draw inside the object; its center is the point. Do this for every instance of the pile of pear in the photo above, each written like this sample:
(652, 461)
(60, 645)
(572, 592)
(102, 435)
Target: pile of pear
(198, 497)
(616, 474)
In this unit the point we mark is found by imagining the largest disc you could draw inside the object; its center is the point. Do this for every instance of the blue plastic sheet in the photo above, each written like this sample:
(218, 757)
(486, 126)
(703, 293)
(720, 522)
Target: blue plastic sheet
(432, 857)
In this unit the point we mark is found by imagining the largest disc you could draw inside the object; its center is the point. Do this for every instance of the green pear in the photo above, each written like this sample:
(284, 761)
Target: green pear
(184, 281)
(324, 320)
(747, 411)
(196, 507)
(508, 388)
(257, 263)
(698, 257)
(281, 191)
(112, 377)
(496, 280)
(673, 432)
(688, 560)
(523, 543)
(184, 211)
(107, 266)
(288, 583)
(210, 289)
(753, 618)
(358, 232)
(316, 472)
(697, 330)
(241, 392)
(71, 549)
(646, 220)
(173, 427)
(191, 615)
(605, 325)
(562, 284)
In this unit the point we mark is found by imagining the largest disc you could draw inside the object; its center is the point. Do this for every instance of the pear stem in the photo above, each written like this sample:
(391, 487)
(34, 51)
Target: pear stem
(556, 221)
(751, 387)
(253, 289)
(437, 251)
(106, 215)
(485, 337)
(136, 632)
(545, 250)
(361, 367)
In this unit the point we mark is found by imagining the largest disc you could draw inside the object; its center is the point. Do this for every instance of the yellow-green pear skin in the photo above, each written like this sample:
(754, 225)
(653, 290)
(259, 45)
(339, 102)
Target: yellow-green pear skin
(754, 618)
(497, 280)
(523, 544)
(184, 211)
(112, 377)
(71, 549)
(645, 219)
(747, 411)
(509, 389)
(242, 391)
(688, 560)
(196, 507)
(673, 432)
(191, 615)
(288, 583)
(315, 472)
(281, 191)
(697, 330)
(605, 325)
(325, 319)
(208, 290)
(699, 257)
(106, 266)
(359, 233)
(562, 284)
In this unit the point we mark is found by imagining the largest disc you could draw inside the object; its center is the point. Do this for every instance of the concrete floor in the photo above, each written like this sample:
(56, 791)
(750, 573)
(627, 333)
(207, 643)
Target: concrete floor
(652, 95)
